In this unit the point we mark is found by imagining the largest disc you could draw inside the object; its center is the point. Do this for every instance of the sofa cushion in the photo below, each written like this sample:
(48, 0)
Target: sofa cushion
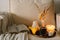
(7, 20)
(18, 28)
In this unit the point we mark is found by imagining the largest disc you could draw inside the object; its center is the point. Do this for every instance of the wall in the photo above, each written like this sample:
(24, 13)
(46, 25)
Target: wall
(23, 11)
(4, 5)
(26, 11)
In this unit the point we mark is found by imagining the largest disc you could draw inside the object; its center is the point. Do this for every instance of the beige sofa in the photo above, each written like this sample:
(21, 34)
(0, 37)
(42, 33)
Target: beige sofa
(8, 25)
(9, 30)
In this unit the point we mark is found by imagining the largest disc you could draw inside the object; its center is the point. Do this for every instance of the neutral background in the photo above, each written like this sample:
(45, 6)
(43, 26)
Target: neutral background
(4, 7)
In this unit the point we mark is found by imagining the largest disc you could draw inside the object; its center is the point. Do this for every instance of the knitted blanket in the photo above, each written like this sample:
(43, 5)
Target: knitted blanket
(14, 36)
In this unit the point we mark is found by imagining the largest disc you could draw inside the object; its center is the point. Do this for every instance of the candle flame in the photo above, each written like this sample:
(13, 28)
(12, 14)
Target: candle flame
(50, 28)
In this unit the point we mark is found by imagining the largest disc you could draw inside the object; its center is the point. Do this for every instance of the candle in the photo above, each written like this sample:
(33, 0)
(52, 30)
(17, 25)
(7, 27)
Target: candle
(35, 27)
(50, 29)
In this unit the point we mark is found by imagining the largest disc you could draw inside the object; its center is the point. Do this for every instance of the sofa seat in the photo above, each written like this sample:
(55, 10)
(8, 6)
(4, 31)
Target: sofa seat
(32, 37)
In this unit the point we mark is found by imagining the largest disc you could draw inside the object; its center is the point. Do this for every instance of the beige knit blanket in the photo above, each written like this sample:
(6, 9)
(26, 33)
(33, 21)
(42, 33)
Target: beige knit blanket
(18, 36)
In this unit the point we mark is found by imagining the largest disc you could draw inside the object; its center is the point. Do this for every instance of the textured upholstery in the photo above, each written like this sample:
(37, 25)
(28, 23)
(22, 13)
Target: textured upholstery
(7, 23)
(9, 30)
(6, 20)
(18, 36)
